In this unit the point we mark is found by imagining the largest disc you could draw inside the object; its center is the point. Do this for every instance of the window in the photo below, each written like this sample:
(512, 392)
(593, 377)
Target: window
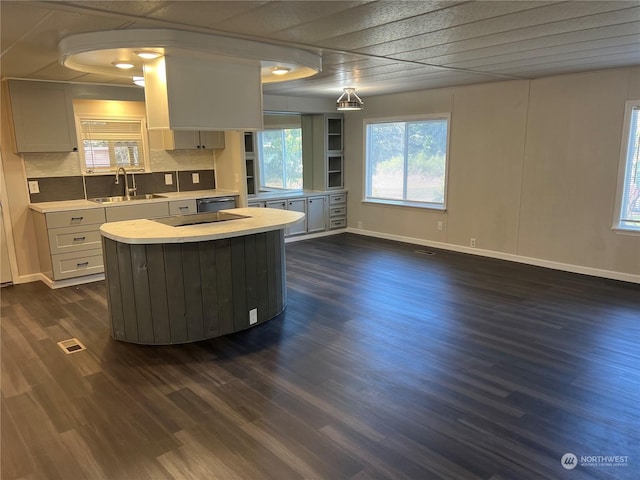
(628, 198)
(280, 153)
(406, 161)
(111, 143)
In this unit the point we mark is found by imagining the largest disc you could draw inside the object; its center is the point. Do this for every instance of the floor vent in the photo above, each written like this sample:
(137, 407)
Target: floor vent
(70, 346)
(424, 252)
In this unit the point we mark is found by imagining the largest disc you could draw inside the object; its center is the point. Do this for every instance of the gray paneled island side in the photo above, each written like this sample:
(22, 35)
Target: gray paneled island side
(192, 277)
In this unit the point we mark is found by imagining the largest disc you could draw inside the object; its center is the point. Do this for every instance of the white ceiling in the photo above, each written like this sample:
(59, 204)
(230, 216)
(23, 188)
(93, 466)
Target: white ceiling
(376, 46)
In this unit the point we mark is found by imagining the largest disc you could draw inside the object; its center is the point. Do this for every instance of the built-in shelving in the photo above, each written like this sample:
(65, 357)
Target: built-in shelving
(250, 160)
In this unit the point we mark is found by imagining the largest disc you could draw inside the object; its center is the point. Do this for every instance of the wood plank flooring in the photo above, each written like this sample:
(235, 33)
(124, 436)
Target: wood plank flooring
(386, 364)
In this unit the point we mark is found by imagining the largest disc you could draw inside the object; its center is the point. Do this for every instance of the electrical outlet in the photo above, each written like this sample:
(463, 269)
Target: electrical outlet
(168, 179)
(195, 178)
(359, 224)
(34, 187)
(440, 225)
(253, 316)
(473, 242)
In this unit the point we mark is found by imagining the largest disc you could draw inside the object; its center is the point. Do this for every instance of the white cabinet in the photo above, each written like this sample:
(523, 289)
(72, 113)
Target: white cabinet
(337, 210)
(186, 140)
(297, 205)
(133, 212)
(316, 214)
(280, 204)
(42, 117)
(323, 149)
(182, 207)
(69, 243)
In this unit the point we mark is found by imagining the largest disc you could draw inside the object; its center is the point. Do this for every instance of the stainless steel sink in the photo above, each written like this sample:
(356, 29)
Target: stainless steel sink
(132, 198)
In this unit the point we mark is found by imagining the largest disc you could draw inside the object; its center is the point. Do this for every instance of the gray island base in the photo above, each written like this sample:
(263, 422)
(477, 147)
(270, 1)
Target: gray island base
(191, 283)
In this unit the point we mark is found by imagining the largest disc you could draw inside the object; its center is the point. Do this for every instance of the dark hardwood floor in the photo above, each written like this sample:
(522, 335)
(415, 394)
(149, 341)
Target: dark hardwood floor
(387, 364)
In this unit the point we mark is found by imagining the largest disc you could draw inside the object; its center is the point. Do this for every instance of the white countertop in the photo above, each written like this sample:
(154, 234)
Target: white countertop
(148, 231)
(61, 206)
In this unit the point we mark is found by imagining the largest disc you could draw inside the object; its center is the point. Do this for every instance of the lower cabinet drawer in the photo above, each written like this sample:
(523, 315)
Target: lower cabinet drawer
(72, 264)
(337, 211)
(182, 207)
(337, 198)
(74, 239)
(337, 223)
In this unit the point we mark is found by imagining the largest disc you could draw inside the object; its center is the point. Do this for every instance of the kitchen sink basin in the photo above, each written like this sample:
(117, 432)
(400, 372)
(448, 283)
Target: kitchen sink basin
(132, 198)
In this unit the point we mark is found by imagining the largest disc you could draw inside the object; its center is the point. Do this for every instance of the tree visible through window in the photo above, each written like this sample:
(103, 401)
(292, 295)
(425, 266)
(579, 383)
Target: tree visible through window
(109, 144)
(629, 185)
(407, 161)
(281, 158)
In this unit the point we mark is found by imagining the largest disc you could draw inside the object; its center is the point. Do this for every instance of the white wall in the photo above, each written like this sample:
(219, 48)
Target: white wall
(532, 171)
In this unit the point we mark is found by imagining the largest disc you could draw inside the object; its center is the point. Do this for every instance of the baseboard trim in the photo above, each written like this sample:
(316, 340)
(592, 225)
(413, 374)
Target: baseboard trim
(34, 277)
(70, 282)
(538, 262)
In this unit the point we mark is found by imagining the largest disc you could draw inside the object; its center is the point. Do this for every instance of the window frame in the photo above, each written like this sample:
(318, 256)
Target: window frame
(625, 145)
(144, 164)
(406, 203)
(259, 158)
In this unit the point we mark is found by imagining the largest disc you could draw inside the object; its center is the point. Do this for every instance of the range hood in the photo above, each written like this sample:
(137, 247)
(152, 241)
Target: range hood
(183, 93)
(199, 81)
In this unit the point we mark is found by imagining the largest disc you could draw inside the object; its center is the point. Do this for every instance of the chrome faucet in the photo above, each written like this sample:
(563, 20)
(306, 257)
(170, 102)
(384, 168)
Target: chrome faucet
(127, 191)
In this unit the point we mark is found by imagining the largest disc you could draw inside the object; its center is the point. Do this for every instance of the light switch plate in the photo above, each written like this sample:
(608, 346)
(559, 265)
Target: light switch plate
(34, 187)
(168, 179)
(195, 177)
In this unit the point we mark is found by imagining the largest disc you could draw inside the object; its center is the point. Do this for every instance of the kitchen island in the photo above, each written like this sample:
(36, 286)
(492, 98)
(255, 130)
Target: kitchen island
(192, 277)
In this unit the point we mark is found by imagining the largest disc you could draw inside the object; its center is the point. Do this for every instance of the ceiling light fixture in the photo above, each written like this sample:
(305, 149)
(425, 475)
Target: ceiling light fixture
(148, 55)
(139, 81)
(123, 65)
(346, 102)
(280, 70)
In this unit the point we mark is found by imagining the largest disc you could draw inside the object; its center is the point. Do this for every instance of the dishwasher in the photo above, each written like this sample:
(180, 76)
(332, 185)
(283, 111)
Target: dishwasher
(215, 204)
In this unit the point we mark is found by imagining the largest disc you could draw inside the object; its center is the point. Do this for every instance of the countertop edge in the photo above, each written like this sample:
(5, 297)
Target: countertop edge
(144, 231)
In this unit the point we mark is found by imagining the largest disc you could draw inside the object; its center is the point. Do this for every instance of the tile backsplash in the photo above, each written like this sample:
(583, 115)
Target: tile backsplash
(92, 186)
(59, 175)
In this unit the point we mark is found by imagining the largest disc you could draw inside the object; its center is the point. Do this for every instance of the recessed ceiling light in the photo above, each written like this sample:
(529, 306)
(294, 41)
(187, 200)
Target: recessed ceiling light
(139, 81)
(123, 65)
(280, 70)
(148, 55)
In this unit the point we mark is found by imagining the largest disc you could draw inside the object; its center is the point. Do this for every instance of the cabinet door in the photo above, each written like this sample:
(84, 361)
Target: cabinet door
(316, 214)
(186, 140)
(297, 205)
(213, 140)
(42, 117)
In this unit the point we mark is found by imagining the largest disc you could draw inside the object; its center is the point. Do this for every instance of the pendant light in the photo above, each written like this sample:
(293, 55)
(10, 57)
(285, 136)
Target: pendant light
(349, 100)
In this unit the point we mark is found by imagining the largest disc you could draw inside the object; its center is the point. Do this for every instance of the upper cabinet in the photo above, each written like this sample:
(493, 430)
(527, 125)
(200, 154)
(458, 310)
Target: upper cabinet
(42, 117)
(186, 140)
(323, 151)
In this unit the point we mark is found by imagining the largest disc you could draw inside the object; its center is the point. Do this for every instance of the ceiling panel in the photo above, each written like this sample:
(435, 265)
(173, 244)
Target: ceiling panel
(204, 14)
(463, 16)
(377, 46)
(452, 52)
(360, 17)
(275, 16)
(498, 32)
